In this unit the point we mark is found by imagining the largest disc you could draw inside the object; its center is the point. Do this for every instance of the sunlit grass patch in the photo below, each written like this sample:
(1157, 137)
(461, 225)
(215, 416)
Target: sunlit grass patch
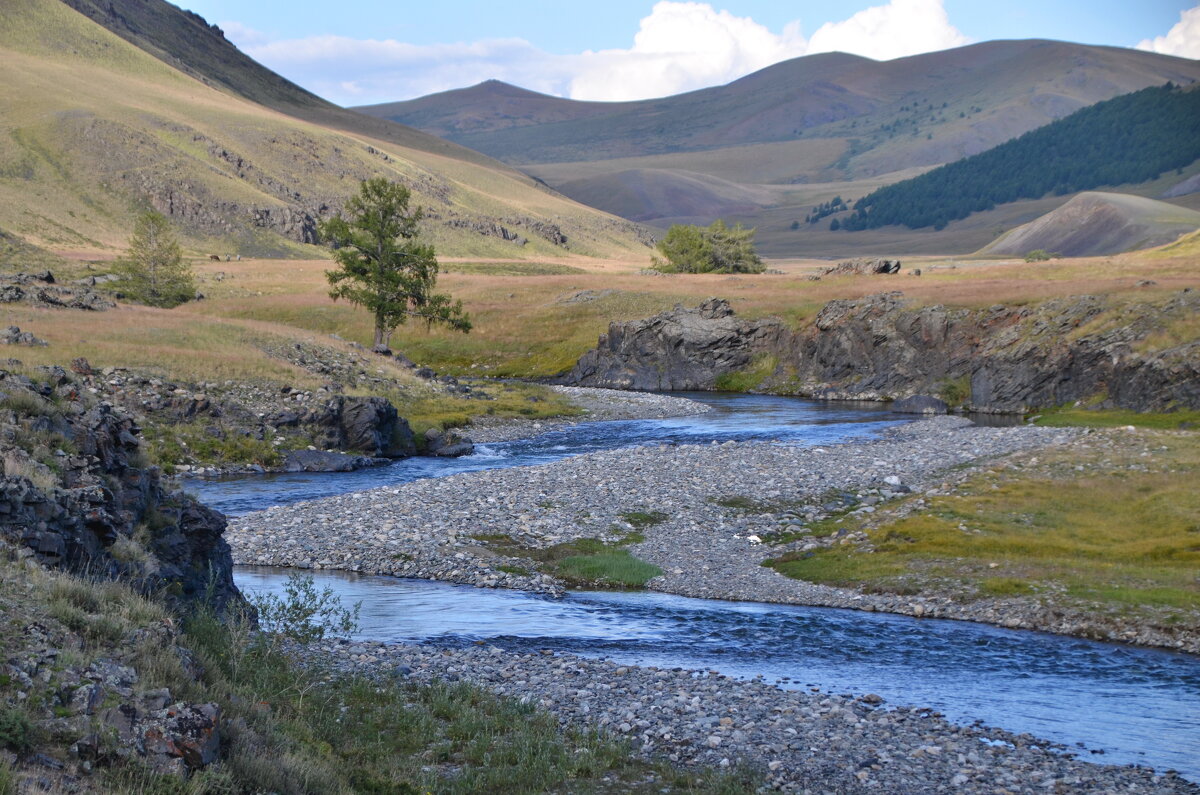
(1123, 533)
(1112, 418)
(609, 568)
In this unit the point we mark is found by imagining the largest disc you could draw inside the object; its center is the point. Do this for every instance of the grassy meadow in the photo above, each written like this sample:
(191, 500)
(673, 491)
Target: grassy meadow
(1108, 526)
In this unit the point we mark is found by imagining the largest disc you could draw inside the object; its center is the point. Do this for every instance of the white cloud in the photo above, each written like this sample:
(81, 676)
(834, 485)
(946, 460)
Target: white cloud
(1182, 40)
(900, 28)
(243, 35)
(680, 46)
(683, 46)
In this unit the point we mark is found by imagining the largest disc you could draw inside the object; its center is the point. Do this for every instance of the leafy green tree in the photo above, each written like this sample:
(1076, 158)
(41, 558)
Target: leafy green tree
(382, 266)
(153, 271)
(713, 249)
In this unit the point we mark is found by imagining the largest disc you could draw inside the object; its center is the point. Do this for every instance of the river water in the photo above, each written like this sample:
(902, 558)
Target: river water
(733, 417)
(1137, 706)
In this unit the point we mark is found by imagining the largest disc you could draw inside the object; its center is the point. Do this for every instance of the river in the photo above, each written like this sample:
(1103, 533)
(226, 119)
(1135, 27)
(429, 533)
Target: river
(1126, 705)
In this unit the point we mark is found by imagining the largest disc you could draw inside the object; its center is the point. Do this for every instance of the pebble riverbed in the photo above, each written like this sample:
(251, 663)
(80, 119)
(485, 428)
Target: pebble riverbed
(803, 741)
(437, 529)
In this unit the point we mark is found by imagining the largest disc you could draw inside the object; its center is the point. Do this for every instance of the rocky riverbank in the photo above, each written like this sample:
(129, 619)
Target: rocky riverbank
(77, 494)
(481, 528)
(804, 741)
(883, 347)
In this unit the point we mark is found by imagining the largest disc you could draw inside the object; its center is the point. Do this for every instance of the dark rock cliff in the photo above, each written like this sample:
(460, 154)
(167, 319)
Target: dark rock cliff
(77, 495)
(999, 359)
(680, 349)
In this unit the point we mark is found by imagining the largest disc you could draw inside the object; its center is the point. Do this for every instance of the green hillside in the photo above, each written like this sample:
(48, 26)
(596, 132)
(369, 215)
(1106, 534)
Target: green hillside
(1130, 139)
(95, 128)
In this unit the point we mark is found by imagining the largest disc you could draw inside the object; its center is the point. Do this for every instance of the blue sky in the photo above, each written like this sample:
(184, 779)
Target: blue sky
(374, 51)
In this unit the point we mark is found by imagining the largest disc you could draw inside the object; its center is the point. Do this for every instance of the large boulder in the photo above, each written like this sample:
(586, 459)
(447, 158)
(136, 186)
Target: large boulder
(447, 444)
(327, 461)
(920, 404)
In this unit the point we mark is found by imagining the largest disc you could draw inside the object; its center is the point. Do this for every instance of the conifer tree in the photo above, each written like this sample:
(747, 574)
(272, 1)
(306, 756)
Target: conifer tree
(382, 266)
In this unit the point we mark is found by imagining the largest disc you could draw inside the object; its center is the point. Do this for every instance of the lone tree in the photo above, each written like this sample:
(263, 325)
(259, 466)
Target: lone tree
(713, 249)
(153, 271)
(382, 266)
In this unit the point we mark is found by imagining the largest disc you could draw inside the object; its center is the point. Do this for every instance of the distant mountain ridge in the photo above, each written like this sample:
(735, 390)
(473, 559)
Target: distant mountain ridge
(765, 149)
(1001, 88)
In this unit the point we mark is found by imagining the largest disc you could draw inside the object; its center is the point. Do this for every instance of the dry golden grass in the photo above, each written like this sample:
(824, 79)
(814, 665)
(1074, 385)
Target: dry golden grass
(527, 326)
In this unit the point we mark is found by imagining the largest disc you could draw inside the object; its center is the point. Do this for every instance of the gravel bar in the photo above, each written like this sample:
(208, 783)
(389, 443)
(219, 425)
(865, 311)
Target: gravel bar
(802, 741)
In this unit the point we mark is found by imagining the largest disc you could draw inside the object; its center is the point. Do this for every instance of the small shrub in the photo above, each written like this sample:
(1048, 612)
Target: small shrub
(304, 614)
(955, 391)
(27, 404)
(16, 730)
(643, 519)
(1039, 255)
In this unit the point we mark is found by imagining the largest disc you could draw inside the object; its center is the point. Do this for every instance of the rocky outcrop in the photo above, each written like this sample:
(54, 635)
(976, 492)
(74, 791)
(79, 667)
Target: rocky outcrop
(41, 290)
(14, 336)
(677, 350)
(999, 359)
(863, 266)
(77, 495)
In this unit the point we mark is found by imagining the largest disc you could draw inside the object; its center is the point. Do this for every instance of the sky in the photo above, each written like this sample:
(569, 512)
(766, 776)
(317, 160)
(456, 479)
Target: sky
(370, 51)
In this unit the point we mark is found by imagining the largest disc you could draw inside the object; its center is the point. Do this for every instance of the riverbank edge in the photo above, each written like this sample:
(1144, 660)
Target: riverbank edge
(797, 738)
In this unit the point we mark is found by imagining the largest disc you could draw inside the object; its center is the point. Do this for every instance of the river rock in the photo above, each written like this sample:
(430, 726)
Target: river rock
(920, 404)
(448, 443)
(328, 461)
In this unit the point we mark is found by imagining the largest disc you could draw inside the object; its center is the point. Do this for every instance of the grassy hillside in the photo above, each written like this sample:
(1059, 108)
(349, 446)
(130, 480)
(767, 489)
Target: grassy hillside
(185, 41)
(1094, 224)
(95, 128)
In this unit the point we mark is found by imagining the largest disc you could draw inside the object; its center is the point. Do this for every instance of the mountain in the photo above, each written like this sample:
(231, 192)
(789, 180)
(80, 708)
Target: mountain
(169, 114)
(970, 99)
(807, 129)
(1096, 224)
(185, 41)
